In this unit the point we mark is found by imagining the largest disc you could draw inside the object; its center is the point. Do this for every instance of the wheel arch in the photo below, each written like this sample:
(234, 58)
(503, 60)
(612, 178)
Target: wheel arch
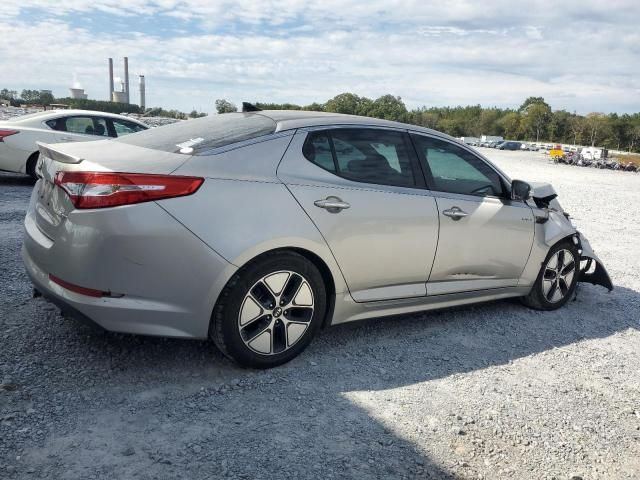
(30, 165)
(325, 271)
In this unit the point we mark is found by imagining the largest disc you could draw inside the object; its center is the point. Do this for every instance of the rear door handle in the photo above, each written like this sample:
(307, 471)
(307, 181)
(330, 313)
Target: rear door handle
(455, 213)
(332, 204)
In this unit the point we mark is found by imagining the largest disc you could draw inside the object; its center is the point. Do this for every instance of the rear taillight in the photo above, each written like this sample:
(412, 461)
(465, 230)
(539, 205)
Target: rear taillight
(110, 189)
(7, 133)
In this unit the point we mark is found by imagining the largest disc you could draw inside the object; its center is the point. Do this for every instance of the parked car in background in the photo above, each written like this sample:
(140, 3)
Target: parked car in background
(557, 154)
(509, 145)
(491, 138)
(334, 218)
(18, 136)
(473, 141)
(532, 147)
(594, 153)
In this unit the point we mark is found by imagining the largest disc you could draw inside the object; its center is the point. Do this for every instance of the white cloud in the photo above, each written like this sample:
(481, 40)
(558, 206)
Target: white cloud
(578, 55)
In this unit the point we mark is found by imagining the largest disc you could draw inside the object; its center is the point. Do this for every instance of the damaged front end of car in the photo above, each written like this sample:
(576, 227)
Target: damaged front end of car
(557, 225)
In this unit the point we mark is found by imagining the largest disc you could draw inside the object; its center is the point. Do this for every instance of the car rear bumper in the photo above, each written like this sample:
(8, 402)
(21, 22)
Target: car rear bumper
(158, 280)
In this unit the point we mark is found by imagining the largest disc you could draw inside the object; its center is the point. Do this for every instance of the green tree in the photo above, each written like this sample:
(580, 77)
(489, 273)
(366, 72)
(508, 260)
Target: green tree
(8, 94)
(511, 125)
(224, 106)
(634, 137)
(559, 126)
(349, 103)
(576, 127)
(99, 105)
(536, 117)
(30, 96)
(315, 107)
(488, 122)
(46, 98)
(277, 106)
(389, 107)
(531, 101)
(595, 123)
(617, 131)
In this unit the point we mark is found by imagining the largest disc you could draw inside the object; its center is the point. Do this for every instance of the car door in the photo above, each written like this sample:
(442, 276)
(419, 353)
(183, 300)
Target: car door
(485, 238)
(81, 128)
(363, 190)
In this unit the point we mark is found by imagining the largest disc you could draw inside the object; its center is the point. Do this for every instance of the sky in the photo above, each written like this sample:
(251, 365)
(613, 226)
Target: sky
(579, 55)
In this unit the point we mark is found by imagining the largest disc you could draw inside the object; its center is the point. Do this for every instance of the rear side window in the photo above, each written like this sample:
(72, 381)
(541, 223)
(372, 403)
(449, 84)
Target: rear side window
(56, 124)
(317, 149)
(362, 155)
(83, 125)
(200, 135)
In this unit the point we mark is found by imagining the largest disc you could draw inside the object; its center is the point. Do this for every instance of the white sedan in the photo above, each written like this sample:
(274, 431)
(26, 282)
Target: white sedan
(18, 136)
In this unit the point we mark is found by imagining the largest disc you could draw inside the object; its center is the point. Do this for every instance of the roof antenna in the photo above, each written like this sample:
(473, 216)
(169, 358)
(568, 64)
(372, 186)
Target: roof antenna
(249, 107)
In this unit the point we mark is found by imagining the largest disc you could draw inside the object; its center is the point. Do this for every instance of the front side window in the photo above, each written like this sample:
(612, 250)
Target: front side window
(453, 169)
(363, 155)
(124, 127)
(87, 126)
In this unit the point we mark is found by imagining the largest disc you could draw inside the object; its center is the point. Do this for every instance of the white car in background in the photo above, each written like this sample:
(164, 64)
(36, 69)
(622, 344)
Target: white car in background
(18, 136)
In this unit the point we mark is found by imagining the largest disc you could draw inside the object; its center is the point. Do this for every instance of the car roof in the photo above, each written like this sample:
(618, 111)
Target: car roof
(291, 119)
(49, 114)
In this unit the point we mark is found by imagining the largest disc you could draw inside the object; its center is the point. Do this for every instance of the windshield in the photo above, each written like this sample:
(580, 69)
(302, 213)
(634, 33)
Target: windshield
(193, 137)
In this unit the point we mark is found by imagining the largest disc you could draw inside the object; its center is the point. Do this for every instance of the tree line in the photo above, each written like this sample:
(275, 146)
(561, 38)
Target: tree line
(534, 120)
(44, 98)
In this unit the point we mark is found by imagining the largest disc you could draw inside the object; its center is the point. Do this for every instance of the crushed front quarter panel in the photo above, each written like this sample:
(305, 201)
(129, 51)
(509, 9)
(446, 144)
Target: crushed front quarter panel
(597, 275)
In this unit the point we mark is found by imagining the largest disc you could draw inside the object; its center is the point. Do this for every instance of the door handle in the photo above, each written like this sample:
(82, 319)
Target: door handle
(332, 204)
(67, 139)
(455, 213)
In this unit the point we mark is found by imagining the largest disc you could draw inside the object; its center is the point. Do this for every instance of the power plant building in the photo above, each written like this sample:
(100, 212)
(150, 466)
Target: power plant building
(123, 95)
(78, 93)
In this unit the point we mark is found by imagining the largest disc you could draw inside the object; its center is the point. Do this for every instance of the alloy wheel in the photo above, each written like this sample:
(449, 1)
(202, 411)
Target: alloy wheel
(558, 276)
(276, 312)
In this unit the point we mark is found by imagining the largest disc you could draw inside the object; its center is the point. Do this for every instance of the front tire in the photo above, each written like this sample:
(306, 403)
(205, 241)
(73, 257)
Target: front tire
(557, 280)
(269, 311)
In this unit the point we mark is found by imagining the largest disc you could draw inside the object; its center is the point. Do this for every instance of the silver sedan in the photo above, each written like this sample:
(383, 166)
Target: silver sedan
(258, 229)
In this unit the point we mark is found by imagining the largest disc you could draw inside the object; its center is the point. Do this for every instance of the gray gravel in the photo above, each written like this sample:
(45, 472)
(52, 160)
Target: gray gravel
(490, 391)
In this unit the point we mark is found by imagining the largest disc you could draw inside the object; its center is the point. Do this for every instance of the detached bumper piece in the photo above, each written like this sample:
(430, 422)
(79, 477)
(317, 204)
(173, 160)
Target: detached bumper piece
(593, 272)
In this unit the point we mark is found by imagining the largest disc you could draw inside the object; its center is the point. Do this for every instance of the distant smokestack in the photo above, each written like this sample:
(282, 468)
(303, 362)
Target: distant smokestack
(142, 98)
(111, 79)
(126, 78)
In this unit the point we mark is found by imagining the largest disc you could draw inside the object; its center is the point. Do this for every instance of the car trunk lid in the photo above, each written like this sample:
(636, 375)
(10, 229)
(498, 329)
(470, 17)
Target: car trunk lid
(52, 204)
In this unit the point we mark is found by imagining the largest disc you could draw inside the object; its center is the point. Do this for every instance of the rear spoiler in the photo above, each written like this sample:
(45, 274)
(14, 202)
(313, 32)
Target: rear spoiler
(49, 152)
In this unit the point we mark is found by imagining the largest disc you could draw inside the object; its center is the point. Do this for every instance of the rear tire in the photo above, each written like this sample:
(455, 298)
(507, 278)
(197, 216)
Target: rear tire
(269, 311)
(557, 280)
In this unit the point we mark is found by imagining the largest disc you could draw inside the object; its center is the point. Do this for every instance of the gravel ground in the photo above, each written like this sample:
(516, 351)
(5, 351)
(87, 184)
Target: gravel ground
(490, 391)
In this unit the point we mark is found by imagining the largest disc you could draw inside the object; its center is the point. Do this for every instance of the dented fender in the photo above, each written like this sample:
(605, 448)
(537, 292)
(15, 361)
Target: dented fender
(593, 271)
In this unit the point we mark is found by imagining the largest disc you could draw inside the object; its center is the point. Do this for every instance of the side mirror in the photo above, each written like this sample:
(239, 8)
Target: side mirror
(520, 190)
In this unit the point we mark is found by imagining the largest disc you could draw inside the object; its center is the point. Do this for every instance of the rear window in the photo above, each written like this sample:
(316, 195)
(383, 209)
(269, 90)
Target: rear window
(193, 137)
